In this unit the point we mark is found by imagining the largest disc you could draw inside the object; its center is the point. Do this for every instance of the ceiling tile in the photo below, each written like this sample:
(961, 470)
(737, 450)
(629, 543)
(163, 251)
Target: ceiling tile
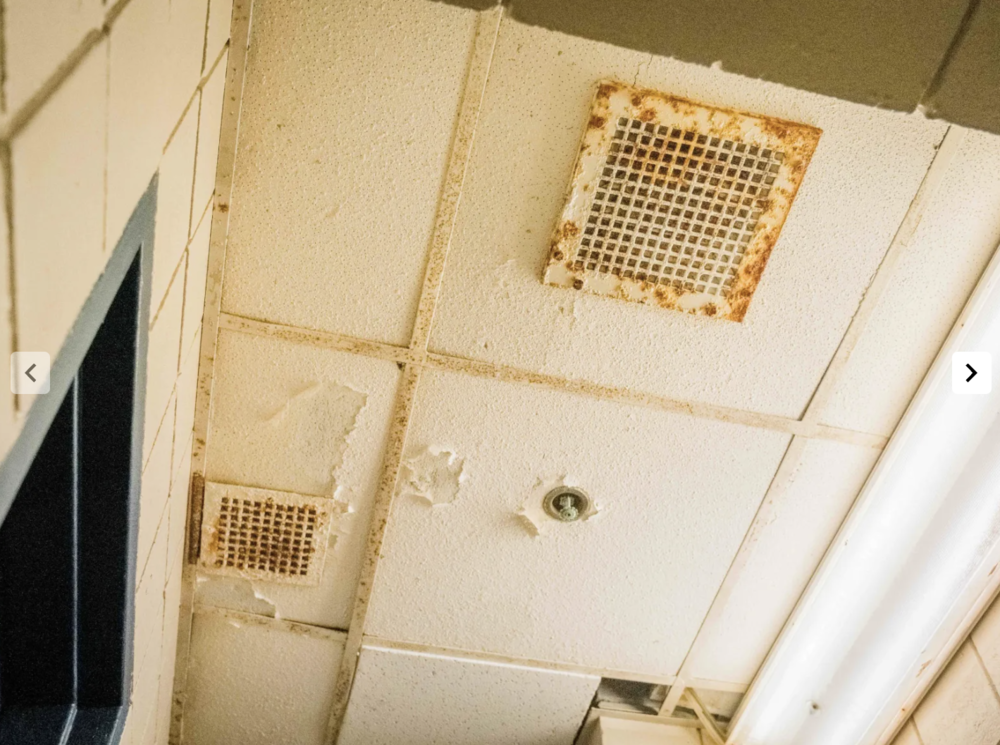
(255, 681)
(927, 290)
(864, 174)
(787, 547)
(424, 698)
(626, 589)
(345, 131)
(313, 421)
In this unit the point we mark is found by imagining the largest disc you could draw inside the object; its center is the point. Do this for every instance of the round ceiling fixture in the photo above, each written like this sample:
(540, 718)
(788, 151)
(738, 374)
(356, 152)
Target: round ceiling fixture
(567, 504)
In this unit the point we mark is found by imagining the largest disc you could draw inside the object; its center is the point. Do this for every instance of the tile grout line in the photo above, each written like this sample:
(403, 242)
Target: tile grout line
(480, 58)
(381, 508)
(238, 48)
(480, 61)
(982, 666)
(478, 368)
(765, 511)
(946, 152)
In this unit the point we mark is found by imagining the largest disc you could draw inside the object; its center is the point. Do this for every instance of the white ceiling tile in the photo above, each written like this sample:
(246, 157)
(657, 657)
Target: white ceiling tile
(624, 590)
(864, 174)
(782, 557)
(936, 273)
(296, 418)
(258, 681)
(425, 699)
(346, 127)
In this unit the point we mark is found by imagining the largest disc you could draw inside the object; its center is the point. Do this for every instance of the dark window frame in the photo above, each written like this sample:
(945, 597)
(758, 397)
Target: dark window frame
(68, 569)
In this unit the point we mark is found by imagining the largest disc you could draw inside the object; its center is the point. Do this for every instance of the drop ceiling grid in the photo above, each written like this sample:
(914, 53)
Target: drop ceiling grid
(861, 180)
(679, 492)
(626, 65)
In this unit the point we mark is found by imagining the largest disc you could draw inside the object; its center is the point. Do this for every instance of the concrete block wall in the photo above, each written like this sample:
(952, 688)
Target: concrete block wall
(96, 97)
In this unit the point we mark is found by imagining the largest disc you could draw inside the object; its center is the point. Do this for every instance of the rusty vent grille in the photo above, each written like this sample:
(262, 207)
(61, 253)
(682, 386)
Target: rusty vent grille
(676, 204)
(264, 534)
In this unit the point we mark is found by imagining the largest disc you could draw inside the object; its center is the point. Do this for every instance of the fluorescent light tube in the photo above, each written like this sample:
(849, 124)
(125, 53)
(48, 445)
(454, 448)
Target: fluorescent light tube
(909, 573)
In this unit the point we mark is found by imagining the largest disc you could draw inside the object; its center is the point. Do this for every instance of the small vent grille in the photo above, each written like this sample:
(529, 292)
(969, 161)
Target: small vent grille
(264, 534)
(676, 204)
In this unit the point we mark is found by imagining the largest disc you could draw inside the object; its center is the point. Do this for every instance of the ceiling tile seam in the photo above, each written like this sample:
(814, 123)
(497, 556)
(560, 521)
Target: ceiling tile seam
(474, 91)
(789, 464)
(481, 55)
(278, 624)
(547, 665)
(939, 165)
(239, 42)
(380, 512)
(479, 368)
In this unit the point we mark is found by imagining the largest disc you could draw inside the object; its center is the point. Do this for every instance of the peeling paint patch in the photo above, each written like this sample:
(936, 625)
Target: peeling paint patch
(233, 593)
(532, 515)
(311, 430)
(434, 475)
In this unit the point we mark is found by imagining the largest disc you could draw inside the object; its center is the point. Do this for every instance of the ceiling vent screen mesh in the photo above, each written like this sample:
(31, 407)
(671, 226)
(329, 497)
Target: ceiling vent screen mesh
(264, 534)
(676, 204)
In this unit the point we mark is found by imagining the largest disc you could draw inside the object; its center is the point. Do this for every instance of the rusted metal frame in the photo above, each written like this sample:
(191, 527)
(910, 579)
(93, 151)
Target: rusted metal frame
(630, 134)
(238, 46)
(480, 59)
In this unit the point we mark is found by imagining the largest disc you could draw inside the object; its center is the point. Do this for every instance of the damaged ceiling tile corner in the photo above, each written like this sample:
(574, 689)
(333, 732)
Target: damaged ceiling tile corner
(434, 475)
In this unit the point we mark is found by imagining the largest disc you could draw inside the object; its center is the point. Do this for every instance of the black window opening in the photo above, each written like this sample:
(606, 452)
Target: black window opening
(69, 506)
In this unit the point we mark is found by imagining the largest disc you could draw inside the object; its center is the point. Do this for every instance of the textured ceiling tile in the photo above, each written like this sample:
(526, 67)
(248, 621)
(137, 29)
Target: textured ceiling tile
(259, 682)
(969, 87)
(625, 589)
(929, 286)
(782, 558)
(346, 127)
(961, 708)
(856, 190)
(296, 418)
(426, 699)
(876, 52)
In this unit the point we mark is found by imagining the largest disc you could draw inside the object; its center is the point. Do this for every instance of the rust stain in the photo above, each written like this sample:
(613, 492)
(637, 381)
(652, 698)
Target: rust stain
(708, 176)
